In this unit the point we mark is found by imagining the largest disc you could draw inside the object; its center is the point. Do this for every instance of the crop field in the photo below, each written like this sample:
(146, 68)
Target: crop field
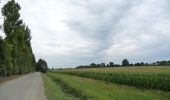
(81, 88)
(147, 70)
(142, 77)
(128, 83)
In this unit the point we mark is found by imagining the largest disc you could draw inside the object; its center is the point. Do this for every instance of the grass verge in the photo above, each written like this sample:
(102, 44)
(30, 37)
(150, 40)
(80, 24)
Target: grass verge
(53, 90)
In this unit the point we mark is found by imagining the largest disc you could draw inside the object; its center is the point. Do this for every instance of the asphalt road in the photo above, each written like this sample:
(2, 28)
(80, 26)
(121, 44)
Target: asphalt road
(28, 87)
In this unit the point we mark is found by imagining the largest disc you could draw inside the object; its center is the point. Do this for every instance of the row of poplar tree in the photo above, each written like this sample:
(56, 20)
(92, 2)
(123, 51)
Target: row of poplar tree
(16, 55)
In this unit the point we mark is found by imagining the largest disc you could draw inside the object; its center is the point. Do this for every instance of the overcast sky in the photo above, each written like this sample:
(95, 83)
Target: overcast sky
(72, 32)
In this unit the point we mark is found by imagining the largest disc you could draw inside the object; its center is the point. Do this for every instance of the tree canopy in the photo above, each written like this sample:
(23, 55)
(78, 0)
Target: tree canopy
(41, 66)
(125, 62)
(16, 55)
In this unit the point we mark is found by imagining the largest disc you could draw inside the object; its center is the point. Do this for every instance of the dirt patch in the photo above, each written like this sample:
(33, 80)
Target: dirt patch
(4, 79)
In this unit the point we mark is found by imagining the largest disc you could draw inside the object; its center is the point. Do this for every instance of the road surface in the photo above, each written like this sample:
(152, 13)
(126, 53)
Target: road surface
(28, 87)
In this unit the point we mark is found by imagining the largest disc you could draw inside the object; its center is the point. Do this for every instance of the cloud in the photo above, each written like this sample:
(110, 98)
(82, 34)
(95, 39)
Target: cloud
(73, 32)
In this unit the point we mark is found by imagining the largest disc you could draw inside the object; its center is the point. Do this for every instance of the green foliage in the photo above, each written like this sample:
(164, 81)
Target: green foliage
(41, 66)
(5, 59)
(68, 89)
(10, 11)
(125, 62)
(16, 52)
(53, 90)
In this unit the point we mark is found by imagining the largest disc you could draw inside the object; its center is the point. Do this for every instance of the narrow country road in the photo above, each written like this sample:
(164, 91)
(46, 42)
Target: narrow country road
(28, 87)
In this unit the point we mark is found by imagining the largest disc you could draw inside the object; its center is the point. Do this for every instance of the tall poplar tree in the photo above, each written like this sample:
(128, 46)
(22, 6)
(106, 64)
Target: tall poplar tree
(17, 40)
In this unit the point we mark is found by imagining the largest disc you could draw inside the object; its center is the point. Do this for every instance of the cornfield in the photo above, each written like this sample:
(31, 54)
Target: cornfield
(160, 81)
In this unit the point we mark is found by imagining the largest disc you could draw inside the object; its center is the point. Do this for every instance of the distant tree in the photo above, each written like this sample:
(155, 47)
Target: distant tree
(125, 62)
(169, 61)
(137, 64)
(102, 65)
(163, 63)
(146, 64)
(98, 65)
(93, 65)
(108, 65)
(131, 64)
(142, 64)
(41, 66)
(153, 64)
(111, 64)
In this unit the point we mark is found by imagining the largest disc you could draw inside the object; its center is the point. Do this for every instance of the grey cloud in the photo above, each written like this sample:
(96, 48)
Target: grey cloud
(100, 21)
(97, 22)
(73, 32)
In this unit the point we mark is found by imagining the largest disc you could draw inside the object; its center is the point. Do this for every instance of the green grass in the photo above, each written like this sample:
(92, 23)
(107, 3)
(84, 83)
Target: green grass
(101, 90)
(53, 90)
(67, 89)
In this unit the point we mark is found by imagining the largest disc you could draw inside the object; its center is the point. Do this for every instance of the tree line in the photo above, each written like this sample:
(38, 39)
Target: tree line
(16, 55)
(125, 63)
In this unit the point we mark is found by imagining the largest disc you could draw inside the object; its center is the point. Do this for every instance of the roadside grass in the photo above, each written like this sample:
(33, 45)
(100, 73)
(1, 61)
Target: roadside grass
(102, 90)
(53, 90)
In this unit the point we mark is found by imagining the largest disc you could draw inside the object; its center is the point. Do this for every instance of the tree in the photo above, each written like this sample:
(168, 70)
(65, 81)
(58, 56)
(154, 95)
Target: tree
(111, 64)
(5, 59)
(125, 62)
(137, 64)
(27, 36)
(10, 11)
(102, 65)
(41, 66)
(93, 65)
(20, 58)
(142, 64)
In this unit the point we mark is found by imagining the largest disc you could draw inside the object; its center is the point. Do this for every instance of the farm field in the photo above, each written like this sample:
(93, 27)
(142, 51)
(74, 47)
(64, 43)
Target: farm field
(141, 77)
(134, 69)
(90, 89)
(130, 83)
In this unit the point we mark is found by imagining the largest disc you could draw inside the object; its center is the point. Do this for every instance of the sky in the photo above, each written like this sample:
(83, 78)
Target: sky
(67, 33)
